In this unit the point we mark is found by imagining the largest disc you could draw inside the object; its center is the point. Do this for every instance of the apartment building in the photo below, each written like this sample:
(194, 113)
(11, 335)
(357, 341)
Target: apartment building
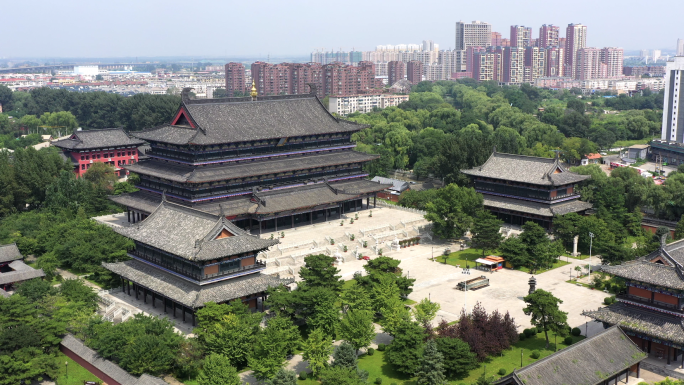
(396, 70)
(575, 39)
(235, 78)
(475, 34)
(345, 105)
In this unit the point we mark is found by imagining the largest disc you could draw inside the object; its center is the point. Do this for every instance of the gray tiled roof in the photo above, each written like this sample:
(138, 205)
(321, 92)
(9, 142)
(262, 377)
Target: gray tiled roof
(590, 361)
(525, 169)
(146, 379)
(19, 266)
(276, 201)
(675, 251)
(227, 121)
(199, 174)
(535, 208)
(20, 275)
(9, 253)
(89, 355)
(647, 322)
(190, 233)
(91, 139)
(397, 185)
(4, 294)
(648, 272)
(188, 293)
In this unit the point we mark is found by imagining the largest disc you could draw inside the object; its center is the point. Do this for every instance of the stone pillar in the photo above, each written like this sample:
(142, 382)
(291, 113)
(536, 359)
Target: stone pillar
(574, 246)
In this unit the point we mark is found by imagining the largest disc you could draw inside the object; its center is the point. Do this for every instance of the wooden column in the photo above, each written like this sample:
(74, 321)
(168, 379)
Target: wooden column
(649, 347)
(275, 223)
(153, 300)
(135, 289)
(292, 218)
(164, 299)
(129, 215)
(259, 229)
(339, 211)
(638, 370)
(128, 285)
(250, 224)
(311, 218)
(375, 197)
(193, 317)
(183, 310)
(123, 285)
(669, 348)
(325, 214)
(174, 309)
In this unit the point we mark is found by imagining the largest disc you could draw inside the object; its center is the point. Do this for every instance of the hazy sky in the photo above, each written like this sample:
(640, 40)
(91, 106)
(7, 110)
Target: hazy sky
(96, 28)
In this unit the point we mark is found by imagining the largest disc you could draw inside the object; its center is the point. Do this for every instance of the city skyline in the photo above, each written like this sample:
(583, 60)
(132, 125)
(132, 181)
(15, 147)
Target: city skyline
(152, 29)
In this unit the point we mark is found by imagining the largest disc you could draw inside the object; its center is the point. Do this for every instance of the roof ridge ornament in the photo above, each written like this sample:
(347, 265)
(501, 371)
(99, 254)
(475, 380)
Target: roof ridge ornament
(254, 93)
(663, 240)
(221, 212)
(164, 196)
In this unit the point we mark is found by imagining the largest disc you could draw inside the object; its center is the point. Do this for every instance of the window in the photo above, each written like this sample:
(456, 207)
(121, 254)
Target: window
(83, 167)
(82, 157)
(87, 157)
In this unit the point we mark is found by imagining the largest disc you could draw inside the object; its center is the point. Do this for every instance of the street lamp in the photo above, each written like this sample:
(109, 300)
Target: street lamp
(66, 370)
(591, 242)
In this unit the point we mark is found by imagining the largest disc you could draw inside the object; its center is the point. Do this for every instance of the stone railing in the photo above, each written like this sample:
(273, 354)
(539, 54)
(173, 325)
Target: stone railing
(368, 230)
(402, 208)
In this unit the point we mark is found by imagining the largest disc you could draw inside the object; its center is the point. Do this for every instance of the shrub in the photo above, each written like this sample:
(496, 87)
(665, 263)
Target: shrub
(609, 300)
(568, 340)
(576, 332)
(378, 380)
(370, 351)
(535, 354)
(529, 333)
(502, 372)
(522, 337)
(381, 347)
(539, 329)
(302, 375)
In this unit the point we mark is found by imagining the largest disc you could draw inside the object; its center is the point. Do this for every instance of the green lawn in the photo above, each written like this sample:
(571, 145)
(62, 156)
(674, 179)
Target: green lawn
(467, 257)
(76, 373)
(581, 256)
(627, 143)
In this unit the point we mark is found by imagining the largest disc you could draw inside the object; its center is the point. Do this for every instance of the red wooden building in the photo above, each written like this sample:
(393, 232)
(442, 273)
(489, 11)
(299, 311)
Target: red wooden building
(112, 146)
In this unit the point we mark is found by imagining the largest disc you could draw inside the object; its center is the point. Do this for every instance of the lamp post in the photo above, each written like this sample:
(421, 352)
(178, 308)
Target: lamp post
(591, 242)
(66, 370)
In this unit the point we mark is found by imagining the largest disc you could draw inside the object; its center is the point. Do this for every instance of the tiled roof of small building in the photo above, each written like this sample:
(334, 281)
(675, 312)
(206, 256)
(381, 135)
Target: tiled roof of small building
(648, 272)
(646, 322)
(525, 169)
(199, 174)
(590, 361)
(20, 275)
(397, 185)
(92, 139)
(188, 293)
(239, 120)
(9, 253)
(535, 208)
(191, 234)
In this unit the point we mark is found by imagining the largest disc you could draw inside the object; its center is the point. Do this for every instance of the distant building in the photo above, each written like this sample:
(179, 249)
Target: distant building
(235, 78)
(111, 145)
(520, 36)
(555, 62)
(396, 70)
(612, 58)
(588, 64)
(575, 39)
(13, 270)
(496, 39)
(392, 193)
(638, 151)
(475, 34)
(680, 47)
(86, 70)
(414, 71)
(345, 105)
(653, 71)
(673, 117)
(548, 36)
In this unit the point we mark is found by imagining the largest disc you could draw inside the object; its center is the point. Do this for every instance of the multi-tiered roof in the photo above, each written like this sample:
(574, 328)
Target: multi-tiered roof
(660, 275)
(193, 257)
(256, 156)
(527, 186)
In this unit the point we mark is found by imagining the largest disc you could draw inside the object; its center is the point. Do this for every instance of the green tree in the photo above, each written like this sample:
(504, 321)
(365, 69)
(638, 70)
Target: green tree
(316, 350)
(35, 289)
(387, 268)
(458, 359)
(273, 344)
(425, 311)
(338, 375)
(431, 370)
(6, 96)
(284, 377)
(485, 230)
(345, 355)
(148, 354)
(319, 271)
(407, 347)
(514, 251)
(218, 371)
(452, 210)
(542, 306)
(679, 229)
(356, 327)
(355, 297)
(76, 290)
(101, 175)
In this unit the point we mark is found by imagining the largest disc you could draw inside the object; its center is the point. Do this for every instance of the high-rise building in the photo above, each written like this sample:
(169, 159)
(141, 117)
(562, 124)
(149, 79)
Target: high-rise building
(680, 47)
(589, 65)
(470, 58)
(548, 36)
(535, 64)
(341, 79)
(396, 71)
(475, 34)
(429, 45)
(673, 116)
(414, 71)
(520, 36)
(235, 79)
(513, 65)
(451, 62)
(656, 54)
(612, 57)
(575, 39)
(486, 65)
(301, 75)
(555, 62)
(496, 39)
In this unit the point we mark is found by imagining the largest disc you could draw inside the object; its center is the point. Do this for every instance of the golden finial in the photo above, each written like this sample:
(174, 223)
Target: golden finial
(254, 92)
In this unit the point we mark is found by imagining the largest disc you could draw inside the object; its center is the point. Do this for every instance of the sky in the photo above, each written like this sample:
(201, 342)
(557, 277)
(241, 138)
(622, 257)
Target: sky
(228, 28)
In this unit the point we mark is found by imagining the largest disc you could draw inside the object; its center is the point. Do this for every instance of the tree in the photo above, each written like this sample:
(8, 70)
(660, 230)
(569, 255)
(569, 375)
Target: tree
(356, 327)
(274, 343)
(317, 349)
(485, 230)
(514, 251)
(35, 289)
(345, 355)
(75, 290)
(284, 377)
(451, 212)
(385, 268)
(218, 371)
(101, 175)
(338, 375)
(147, 354)
(458, 359)
(189, 359)
(406, 349)
(679, 229)
(425, 311)
(6, 96)
(543, 307)
(431, 370)
(484, 380)
(319, 271)
(355, 297)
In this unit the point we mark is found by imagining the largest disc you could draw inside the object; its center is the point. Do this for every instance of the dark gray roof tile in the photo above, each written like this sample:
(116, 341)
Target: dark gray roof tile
(9, 253)
(188, 293)
(647, 272)
(589, 362)
(92, 139)
(525, 169)
(642, 321)
(20, 275)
